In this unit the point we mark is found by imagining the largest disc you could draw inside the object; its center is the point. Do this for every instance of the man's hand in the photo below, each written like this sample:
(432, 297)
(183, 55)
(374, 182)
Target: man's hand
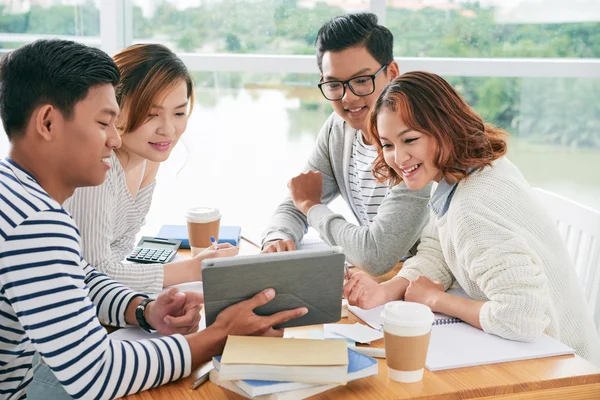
(240, 318)
(278, 246)
(306, 190)
(363, 291)
(425, 291)
(175, 312)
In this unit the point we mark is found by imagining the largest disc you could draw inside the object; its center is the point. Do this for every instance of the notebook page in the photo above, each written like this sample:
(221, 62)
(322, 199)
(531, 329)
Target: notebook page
(461, 345)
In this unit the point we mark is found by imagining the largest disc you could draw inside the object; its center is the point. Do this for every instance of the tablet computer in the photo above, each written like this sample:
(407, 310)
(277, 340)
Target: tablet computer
(302, 278)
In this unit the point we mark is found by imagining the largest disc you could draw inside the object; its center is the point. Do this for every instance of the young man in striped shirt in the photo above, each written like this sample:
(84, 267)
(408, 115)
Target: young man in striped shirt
(355, 57)
(58, 107)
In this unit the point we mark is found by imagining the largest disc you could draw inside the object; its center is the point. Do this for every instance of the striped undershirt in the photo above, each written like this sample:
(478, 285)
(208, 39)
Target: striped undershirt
(367, 193)
(109, 219)
(52, 301)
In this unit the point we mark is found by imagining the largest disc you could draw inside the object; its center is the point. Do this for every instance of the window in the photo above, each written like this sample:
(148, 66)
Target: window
(494, 28)
(554, 125)
(25, 21)
(252, 129)
(236, 26)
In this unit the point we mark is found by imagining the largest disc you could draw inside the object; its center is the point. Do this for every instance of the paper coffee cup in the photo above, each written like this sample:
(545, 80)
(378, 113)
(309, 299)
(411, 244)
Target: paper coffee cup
(407, 328)
(202, 223)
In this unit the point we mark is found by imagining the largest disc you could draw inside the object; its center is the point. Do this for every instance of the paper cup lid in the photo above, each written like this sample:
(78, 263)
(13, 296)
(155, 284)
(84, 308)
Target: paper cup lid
(405, 313)
(202, 214)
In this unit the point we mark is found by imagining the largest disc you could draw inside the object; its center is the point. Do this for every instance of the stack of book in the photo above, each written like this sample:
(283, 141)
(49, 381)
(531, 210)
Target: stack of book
(277, 368)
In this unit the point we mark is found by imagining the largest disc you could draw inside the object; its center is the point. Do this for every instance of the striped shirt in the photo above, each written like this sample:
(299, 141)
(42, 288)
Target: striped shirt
(367, 193)
(52, 301)
(109, 219)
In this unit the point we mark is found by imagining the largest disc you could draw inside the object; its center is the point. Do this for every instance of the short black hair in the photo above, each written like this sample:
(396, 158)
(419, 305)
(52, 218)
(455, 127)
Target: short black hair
(352, 30)
(57, 72)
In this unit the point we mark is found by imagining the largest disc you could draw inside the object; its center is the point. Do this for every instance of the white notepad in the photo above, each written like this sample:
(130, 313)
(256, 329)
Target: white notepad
(460, 345)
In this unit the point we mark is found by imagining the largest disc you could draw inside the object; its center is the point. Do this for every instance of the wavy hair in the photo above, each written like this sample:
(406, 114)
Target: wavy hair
(428, 104)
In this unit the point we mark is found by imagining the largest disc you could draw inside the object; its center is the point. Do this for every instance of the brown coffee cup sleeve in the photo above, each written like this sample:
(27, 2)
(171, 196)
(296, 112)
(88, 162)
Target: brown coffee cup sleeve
(406, 353)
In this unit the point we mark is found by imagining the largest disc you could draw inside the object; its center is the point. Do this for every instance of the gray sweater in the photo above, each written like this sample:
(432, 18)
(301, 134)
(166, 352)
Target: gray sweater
(376, 248)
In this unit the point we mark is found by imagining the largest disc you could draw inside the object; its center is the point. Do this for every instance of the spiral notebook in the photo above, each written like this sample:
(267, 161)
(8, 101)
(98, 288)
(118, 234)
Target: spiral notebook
(458, 345)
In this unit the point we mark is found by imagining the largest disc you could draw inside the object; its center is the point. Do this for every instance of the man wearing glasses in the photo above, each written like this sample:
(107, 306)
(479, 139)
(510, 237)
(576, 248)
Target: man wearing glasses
(355, 57)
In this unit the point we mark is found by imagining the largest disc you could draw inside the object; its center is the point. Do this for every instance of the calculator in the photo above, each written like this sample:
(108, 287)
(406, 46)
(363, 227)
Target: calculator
(154, 250)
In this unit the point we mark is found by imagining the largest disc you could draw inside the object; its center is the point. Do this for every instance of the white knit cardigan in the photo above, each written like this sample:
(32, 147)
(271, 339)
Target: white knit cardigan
(501, 247)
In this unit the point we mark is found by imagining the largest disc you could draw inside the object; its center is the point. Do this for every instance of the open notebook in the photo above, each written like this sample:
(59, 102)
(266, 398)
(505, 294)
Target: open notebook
(456, 344)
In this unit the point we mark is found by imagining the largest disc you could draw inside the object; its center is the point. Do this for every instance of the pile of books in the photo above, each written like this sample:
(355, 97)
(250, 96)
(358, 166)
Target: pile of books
(277, 368)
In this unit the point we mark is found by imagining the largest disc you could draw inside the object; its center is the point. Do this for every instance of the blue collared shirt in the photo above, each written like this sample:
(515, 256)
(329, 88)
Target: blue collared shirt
(442, 197)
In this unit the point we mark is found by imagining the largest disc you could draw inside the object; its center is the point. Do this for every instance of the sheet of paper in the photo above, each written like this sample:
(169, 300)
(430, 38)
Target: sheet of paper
(357, 332)
(314, 332)
(371, 317)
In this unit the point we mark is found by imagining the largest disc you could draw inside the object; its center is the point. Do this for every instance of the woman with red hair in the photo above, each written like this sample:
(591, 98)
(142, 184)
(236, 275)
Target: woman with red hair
(487, 231)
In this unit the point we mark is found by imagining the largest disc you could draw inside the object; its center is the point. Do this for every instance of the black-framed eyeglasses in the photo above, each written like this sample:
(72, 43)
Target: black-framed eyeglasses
(362, 85)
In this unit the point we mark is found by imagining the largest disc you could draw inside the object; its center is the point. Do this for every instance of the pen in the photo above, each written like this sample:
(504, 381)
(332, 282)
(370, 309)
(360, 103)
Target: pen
(376, 352)
(214, 243)
(204, 377)
(346, 265)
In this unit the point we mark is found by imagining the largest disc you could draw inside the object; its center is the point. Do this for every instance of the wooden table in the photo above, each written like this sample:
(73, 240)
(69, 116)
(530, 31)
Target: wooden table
(563, 377)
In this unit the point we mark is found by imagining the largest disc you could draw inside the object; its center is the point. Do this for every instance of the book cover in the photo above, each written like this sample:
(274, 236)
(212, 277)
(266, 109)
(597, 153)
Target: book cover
(260, 350)
(279, 359)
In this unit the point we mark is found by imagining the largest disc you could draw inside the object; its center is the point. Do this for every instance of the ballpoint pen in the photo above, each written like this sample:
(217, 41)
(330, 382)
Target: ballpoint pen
(214, 243)
(346, 272)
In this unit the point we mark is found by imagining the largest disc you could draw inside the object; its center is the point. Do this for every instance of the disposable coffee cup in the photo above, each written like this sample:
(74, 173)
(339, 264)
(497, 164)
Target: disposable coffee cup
(406, 328)
(202, 223)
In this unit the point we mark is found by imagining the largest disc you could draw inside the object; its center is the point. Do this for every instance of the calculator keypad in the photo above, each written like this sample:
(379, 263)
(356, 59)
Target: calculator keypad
(149, 255)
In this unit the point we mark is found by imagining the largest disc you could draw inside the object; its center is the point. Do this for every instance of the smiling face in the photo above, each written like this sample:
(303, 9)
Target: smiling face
(88, 137)
(409, 153)
(350, 63)
(166, 122)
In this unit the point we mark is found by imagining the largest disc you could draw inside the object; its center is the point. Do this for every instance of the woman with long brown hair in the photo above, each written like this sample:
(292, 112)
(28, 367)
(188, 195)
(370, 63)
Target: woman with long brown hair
(155, 96)
(487, 232)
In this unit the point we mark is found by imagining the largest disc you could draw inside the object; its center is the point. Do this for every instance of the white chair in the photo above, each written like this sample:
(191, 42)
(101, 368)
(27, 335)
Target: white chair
(579, 227)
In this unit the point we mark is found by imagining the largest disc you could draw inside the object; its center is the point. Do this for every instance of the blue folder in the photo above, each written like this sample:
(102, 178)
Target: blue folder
(227, 234)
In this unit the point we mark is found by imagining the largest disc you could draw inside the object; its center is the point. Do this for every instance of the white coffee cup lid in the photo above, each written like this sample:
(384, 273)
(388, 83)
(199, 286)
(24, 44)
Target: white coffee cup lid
(405, 313)
(202, 214)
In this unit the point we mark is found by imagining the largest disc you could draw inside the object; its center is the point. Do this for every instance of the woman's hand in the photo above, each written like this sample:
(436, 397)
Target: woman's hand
(363, 291)
(425, 291)
(225, 250)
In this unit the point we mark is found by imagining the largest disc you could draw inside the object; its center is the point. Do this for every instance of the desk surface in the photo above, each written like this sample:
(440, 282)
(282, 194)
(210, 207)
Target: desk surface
(563, 377)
